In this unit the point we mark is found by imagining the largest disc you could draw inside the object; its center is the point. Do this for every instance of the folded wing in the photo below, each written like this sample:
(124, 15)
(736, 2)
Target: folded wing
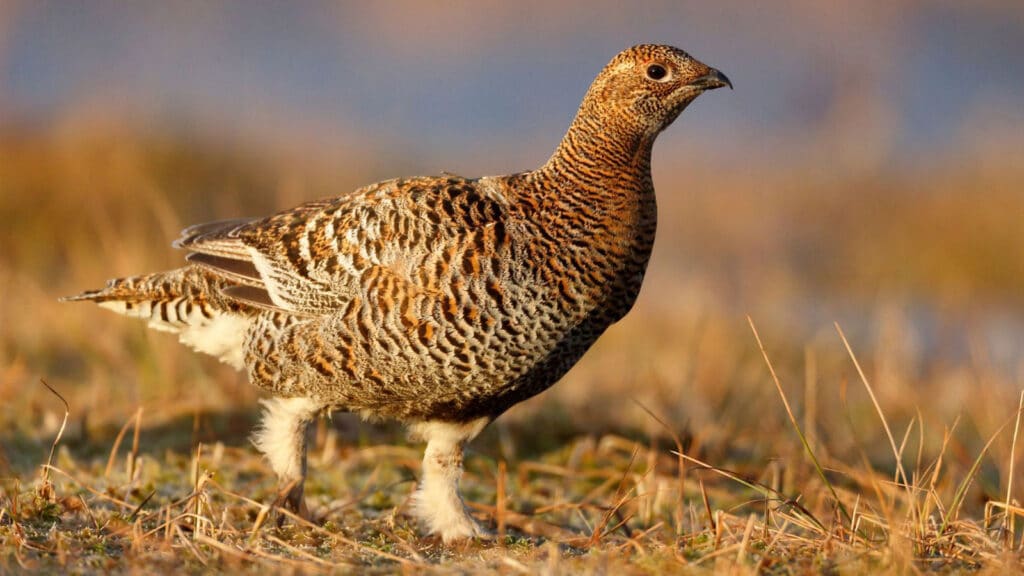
(314, 259)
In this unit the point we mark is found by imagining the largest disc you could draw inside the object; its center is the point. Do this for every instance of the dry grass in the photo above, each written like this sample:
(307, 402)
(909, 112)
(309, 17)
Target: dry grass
(683, 442)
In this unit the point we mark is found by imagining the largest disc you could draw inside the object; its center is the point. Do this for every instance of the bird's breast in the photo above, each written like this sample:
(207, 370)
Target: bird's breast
(591, 251)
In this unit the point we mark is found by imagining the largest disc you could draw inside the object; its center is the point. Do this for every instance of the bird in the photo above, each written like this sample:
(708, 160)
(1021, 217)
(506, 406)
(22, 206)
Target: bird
(439, 301)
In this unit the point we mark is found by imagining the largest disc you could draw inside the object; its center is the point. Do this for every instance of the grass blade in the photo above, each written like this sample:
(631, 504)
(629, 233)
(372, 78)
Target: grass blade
(796, 426)
(878, 408)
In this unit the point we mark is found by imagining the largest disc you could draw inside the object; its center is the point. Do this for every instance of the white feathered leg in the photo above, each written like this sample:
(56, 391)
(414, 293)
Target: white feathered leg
(437, 501)
(282, 439)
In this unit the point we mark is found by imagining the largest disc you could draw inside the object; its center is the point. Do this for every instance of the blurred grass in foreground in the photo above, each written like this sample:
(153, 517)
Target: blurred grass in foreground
(923, 267)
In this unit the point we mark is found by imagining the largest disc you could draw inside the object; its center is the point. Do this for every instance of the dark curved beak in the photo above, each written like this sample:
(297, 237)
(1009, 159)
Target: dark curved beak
(713, 79)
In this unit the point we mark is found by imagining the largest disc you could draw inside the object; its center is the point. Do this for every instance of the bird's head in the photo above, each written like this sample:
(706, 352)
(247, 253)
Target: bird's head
(644, 88)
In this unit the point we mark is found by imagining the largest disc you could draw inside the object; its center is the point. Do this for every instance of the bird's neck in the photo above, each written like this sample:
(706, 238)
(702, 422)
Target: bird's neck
(598, 183)
(596, 152)
(596, 191)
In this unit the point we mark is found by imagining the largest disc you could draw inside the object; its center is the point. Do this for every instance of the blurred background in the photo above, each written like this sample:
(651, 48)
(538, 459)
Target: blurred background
(866, 169)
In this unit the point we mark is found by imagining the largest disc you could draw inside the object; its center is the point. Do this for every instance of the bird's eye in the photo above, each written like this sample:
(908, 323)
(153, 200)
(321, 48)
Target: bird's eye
(656, 72)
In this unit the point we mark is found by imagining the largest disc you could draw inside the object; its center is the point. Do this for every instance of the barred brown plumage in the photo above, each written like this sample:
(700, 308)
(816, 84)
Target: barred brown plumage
(438, 301)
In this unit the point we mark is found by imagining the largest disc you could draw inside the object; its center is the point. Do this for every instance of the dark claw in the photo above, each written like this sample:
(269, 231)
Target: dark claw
(291, 498)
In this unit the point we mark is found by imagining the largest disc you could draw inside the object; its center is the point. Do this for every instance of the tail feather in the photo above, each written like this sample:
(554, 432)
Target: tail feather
(188, 301)
(218, 238)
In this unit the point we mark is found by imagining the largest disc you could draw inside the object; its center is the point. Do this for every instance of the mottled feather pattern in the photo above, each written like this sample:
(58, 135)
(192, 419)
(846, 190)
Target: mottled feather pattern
(436, 283)
(439, 301)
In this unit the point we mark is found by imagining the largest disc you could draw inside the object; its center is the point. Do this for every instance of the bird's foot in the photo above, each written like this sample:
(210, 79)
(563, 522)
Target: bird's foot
(290, 497)
(447, 518)
(436, 501)
(459, 529)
